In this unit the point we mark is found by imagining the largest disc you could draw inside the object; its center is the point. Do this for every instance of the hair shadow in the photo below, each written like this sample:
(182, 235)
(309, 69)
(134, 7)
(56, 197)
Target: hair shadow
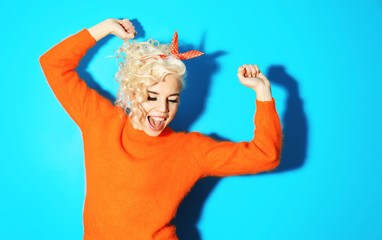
(197, 86)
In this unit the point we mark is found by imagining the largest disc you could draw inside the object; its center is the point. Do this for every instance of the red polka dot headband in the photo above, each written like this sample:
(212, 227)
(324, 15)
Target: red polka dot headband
(175, 53)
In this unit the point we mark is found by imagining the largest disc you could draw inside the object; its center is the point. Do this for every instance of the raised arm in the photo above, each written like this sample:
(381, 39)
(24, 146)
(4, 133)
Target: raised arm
(260, 154)
(60, 62)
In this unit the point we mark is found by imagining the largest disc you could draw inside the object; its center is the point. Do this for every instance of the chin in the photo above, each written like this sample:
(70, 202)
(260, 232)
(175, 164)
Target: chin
(151, 132)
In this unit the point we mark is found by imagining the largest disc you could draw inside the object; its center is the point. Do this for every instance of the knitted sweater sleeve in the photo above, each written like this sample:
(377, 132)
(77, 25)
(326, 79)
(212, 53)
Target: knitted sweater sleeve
(59, 64)
(261, 154)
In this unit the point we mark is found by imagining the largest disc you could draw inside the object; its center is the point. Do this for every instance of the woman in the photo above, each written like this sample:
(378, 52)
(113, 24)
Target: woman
(137, 169)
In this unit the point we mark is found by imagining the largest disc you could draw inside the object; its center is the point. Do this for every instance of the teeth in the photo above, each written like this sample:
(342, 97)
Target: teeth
(158, 118)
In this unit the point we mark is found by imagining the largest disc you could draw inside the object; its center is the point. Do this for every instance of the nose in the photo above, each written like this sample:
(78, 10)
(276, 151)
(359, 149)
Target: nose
(163, 107)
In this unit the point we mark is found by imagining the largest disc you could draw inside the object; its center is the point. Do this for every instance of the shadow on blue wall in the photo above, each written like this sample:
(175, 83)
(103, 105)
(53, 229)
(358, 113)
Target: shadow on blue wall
(81, 69)
(295, 127)
(294, 140)
(193, 101)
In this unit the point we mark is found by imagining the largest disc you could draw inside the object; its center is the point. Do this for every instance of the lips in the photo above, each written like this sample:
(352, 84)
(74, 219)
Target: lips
(156, 123)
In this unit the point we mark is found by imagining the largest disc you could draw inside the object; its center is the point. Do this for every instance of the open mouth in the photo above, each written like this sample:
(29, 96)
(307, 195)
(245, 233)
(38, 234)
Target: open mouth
(156, 123)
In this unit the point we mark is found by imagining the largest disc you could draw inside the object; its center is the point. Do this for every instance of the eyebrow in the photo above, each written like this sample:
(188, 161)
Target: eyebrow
(175, 94)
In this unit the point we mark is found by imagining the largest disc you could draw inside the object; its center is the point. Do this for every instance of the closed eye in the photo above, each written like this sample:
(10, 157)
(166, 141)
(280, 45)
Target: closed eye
(151, 98)
(173, 101)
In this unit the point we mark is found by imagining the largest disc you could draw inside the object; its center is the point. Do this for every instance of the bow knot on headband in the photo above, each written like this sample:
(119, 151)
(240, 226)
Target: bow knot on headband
(175, 52)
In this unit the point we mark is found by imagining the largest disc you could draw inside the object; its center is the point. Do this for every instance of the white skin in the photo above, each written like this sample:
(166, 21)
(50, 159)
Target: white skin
(163, 98)
(161, 105)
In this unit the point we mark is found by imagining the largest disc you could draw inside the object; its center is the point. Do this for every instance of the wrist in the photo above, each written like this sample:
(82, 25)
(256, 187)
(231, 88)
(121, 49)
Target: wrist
(263, 93)
(101, 30)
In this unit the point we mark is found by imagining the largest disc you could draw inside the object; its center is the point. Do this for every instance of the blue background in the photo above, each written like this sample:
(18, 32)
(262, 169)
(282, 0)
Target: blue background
(324, 62)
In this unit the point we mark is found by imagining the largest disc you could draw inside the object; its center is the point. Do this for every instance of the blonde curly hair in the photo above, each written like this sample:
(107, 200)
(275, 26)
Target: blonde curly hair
(137, 75)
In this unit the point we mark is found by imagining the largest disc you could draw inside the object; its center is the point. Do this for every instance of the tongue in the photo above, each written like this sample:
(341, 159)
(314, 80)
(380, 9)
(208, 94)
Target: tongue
(156, 125)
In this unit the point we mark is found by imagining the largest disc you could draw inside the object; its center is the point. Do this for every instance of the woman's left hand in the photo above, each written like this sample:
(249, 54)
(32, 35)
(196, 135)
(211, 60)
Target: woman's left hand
(250, 76)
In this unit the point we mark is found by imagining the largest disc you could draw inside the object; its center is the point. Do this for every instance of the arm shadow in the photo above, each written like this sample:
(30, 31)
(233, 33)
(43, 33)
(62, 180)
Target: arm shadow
(87, 77)
(294, 136)
(81, 69)
(295, 129)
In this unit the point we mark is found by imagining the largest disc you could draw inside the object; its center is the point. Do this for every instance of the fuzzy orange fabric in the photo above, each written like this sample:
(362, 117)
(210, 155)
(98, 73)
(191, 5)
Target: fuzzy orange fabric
(134, 182)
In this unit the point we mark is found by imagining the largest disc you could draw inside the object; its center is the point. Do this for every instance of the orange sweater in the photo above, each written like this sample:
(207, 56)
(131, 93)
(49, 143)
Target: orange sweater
(134, 182)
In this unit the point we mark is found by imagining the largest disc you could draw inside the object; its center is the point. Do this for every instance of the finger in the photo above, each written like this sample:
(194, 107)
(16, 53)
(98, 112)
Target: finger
(257, 70)
(127, 26)
(126, 35)
(131, 34)
(125, 23)
(245, 72)
(241, 71)
(125, 20)
(120, 21)
(245, 66)
(248, 71)
(253, 70)
(130, 30)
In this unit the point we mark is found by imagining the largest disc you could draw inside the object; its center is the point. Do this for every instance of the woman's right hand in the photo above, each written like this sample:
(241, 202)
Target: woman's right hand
(123, 29)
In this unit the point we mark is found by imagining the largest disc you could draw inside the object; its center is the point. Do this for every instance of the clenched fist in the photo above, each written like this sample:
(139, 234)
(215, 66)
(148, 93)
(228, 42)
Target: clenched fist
(250, 76)
(123, 29)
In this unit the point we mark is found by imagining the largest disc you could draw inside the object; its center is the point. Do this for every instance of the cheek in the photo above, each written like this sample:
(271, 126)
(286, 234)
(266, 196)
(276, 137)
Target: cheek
(146, 106)
(174, 109)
